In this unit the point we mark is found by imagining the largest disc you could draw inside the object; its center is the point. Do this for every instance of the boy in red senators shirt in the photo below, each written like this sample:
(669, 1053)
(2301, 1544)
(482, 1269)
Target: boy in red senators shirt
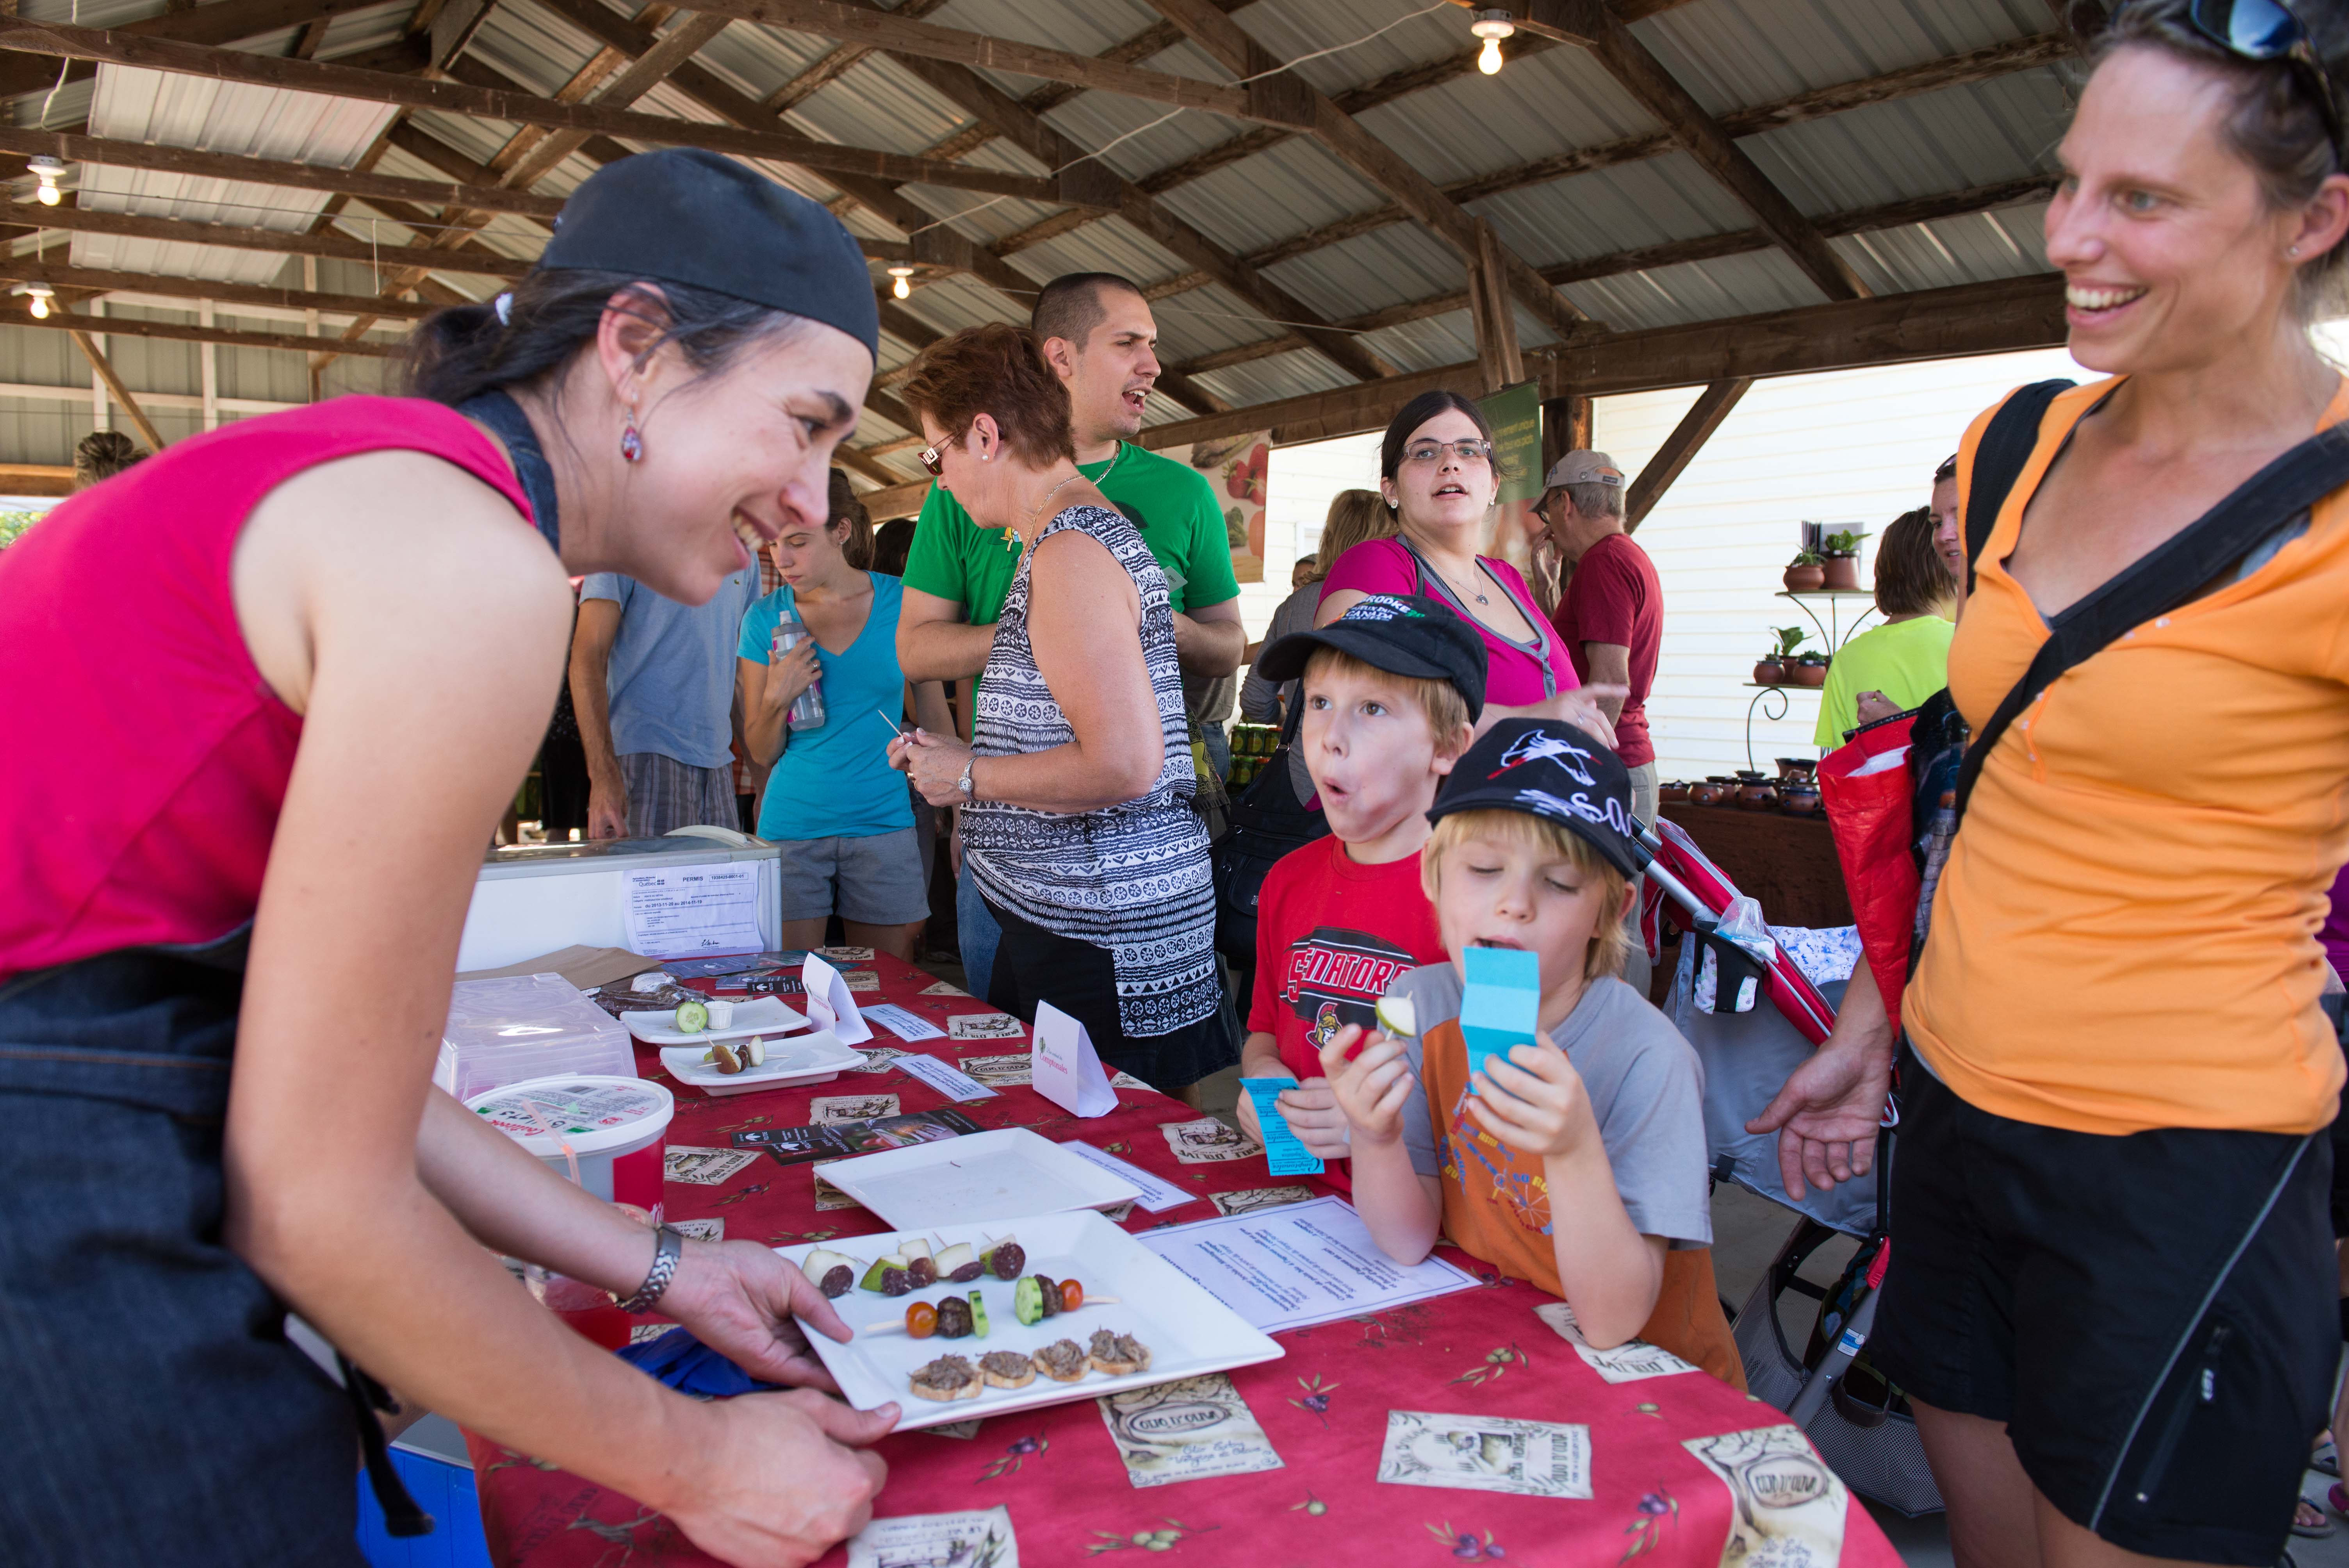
(1390, 690)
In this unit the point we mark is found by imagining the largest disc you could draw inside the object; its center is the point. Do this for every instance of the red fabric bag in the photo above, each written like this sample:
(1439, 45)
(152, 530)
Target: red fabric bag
(1866, 788)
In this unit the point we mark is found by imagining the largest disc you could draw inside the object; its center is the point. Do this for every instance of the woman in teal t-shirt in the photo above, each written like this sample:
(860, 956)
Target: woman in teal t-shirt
(1906, 659)
(840, 811)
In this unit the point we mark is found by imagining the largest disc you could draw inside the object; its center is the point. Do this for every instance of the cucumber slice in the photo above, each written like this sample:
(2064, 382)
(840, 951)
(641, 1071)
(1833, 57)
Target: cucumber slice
(1397, 1017)
(1028, 1301)
(692, 1018)
(977, 1316)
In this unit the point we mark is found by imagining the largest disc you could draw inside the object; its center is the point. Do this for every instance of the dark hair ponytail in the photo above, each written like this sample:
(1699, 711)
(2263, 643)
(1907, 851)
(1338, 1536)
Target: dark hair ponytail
(553, 313)
(1418, 412)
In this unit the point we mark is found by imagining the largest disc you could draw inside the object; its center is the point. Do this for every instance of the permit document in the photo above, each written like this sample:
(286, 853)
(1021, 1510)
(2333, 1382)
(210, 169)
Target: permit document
(685, 911)
(1500, 1002)
(1296, 1264)
(1286, 1154)
(1186, 1430)
(1157, 1193)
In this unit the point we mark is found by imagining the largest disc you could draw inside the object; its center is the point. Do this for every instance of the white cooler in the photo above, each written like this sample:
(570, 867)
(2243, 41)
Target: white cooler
(538, 898)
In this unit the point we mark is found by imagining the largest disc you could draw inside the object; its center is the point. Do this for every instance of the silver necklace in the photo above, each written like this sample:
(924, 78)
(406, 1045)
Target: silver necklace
(1011, 536)
(1458, 586)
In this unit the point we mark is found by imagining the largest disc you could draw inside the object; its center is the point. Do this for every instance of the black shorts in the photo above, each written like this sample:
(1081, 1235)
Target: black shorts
(1033, 964)
(2153, 1315)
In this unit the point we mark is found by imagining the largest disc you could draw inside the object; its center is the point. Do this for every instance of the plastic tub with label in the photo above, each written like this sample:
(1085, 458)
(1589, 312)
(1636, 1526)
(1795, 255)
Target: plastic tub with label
(616, 1127)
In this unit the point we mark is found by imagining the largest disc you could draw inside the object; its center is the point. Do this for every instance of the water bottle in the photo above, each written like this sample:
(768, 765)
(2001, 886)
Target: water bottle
(807, 711)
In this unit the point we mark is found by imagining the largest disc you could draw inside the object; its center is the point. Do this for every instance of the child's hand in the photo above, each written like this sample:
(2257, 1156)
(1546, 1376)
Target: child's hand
(1372, 1089)
(1313, 1113)
(1550, 1113)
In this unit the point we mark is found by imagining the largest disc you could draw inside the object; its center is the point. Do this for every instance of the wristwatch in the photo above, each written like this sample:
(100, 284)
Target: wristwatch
(963, 783)
(671, 1248)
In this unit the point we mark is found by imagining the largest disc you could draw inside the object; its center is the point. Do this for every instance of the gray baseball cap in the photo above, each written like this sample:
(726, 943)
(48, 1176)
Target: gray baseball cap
(1583, 468)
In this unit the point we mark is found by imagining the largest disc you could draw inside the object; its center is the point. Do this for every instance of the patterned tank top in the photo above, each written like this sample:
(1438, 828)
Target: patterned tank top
(1132, 878)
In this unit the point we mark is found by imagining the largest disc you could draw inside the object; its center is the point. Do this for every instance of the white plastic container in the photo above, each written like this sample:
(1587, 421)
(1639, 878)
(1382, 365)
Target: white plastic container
(522, 1026)
(616, 1127)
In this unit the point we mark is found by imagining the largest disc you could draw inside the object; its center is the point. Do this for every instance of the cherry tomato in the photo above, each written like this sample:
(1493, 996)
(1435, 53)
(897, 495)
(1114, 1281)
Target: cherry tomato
(1072, 1296)
(921, 1320)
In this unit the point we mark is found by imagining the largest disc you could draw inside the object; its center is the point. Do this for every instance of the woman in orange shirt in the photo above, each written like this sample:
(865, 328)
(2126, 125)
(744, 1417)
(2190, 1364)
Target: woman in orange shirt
(2112, 1304)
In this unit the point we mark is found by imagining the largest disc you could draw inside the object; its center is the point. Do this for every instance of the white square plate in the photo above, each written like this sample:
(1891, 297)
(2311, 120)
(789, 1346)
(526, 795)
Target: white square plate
(803, 1060)
(978, 1178)
(766, 1016)
(1189, 1333)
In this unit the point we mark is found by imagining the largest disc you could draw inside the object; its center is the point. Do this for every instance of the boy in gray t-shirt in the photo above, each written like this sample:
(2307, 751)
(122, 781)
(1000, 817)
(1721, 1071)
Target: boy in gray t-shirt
(1576, 1158)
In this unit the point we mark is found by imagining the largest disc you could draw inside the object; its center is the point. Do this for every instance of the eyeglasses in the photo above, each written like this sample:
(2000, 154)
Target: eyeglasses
(2266, 30)
(1471, 450)
(934, 463)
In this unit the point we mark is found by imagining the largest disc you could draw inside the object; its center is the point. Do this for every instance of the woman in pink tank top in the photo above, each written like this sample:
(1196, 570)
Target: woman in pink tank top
(273, 689)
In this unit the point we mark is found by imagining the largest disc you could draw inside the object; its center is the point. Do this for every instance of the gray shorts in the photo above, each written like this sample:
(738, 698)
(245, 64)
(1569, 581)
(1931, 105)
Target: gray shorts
(873, 881)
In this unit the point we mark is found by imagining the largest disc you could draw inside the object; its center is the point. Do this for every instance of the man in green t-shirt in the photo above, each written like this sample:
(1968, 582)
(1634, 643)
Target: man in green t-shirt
(1098, 336)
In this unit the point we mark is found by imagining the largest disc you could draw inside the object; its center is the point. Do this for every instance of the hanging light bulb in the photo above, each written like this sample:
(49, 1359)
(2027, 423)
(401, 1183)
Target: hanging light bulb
(1492, 26)
(37, 296)
(48, 171)
(901, 288)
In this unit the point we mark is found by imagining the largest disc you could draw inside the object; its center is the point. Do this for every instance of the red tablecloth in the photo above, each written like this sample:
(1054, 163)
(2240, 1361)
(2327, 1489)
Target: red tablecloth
(1323, 1406)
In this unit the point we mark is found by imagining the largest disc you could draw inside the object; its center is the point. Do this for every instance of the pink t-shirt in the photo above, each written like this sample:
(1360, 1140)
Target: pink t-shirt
(1513, 673)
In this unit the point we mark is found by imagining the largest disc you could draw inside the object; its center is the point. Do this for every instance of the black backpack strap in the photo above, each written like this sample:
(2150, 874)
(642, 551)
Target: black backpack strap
(2007, 445)
(2170, 576)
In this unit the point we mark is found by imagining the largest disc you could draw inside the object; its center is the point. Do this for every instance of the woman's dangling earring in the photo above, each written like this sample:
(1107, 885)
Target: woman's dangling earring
(632, 445)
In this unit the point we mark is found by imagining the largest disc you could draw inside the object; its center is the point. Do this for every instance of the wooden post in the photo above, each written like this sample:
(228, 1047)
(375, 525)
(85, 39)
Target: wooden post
(1713, 405)
(97, 362)
(1488, 306)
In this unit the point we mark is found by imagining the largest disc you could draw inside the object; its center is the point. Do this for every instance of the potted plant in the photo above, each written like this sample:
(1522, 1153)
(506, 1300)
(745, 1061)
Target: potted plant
(1810, 670)
(1771, 668)
(1806, 573)
(1840, 567)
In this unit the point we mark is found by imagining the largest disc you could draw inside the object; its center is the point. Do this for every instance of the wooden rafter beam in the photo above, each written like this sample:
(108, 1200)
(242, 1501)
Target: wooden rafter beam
(1344, 135)
(222, 22)
(1026, 129)
(1688, 438)
(121, 393)
(27, 270)
(174, 332)
(85, 220)
(1628, 60)
(485, 103)
(931, 243)
(1975, 65)
(835, 63)
(277, 171)
(1935, 324)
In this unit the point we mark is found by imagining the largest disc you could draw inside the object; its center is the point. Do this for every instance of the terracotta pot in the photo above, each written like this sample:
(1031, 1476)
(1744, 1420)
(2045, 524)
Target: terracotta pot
(1674, 791)
(1808, 675)
(1708, 793)
(1760, 796)
(1796, 767)
(1840, 572)
(1769, 671)
(1805, 579)
(1799, 800)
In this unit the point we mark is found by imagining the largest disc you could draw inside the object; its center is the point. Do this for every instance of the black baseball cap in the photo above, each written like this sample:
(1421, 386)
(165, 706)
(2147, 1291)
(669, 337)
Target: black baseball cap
(684, 215)
(1546, 767)
(1410, 635)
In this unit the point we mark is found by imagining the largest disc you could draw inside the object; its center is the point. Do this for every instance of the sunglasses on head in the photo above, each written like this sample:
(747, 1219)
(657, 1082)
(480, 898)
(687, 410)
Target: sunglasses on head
(2265, 31)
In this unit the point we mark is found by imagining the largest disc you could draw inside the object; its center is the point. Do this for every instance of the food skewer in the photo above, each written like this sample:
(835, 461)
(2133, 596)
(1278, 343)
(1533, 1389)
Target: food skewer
(897, 1325)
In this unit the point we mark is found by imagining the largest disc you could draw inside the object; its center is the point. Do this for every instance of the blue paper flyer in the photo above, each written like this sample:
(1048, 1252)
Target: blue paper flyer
(1500, 1002)
(1282, 1151)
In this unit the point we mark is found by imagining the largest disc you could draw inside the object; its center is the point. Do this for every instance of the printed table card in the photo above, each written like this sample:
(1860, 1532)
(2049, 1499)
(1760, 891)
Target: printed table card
(1186, 1430)
(1067, 1072)
(1487, 1453)
(978, 1538)
(948, 1081)
(1629, 1362)
(905, 1025)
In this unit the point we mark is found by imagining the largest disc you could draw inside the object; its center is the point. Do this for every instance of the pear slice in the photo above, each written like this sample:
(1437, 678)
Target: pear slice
(1397, 1017)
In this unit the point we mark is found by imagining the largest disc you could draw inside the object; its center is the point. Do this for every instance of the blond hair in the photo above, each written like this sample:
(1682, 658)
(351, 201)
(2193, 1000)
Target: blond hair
(1356, 517)
(1609, 943)
(1439, 701)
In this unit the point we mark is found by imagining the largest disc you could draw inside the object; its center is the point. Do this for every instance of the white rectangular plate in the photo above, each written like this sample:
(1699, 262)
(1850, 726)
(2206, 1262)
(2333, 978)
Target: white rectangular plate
(801, 1059)
(1189, 1331)
(766, 1016)
(976, 1178)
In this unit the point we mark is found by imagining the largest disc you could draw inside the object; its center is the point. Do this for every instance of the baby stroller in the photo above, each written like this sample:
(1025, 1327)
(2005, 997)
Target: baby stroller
(1730, 965)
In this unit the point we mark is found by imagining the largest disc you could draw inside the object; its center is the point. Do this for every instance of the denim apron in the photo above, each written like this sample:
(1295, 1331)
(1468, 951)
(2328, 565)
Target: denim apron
(163, 1417)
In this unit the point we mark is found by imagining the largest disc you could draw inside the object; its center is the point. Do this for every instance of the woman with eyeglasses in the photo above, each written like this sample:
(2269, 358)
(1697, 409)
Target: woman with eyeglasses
(2111, 1301)
(1436, 471)
(1075, 794)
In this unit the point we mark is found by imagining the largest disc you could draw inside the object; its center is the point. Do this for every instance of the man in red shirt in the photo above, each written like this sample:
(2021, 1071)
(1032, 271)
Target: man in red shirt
(1610, 617)
(1610, 611)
